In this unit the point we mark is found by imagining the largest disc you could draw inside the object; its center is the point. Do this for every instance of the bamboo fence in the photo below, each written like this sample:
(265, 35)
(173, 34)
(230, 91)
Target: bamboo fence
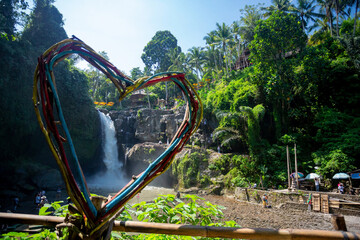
(191, 230)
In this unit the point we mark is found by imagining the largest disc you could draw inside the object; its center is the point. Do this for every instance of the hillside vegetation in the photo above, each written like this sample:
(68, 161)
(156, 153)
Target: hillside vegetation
(300, 84)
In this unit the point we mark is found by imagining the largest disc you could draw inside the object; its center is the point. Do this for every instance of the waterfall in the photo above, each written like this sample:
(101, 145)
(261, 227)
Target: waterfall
(113, 177)
(109, 143)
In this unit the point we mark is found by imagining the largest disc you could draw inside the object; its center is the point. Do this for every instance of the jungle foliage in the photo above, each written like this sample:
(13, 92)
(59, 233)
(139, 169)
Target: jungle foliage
(23, 38)
(301, 80)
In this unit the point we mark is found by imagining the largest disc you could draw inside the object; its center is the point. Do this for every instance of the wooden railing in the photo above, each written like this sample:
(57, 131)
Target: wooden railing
(191, 230)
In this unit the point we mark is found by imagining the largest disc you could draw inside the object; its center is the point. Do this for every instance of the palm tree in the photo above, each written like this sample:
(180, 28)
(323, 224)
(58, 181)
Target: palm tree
(250, 16)
(339, 7)
(223, 37)
(322, 26)
(196, 60)
(277, 5)
(356, 14)
(178, 60)
(236, 30)
(229, 135)
(211, 52)
(253, 117)
(306, 10)
(325, 7)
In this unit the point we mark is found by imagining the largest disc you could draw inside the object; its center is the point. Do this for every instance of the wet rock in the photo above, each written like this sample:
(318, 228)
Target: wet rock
(141, 155)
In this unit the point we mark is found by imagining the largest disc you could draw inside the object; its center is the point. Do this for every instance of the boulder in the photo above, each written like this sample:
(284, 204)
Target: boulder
(141, 155)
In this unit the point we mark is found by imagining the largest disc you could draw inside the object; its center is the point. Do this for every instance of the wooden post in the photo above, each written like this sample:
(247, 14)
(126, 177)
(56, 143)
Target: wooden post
(338, 222)
(316, 202)
(325, 203)
(296, 169)
(288, 165)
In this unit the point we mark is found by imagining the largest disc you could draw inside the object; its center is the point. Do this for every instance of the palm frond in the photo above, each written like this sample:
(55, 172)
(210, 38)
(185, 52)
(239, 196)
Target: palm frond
(230, 139)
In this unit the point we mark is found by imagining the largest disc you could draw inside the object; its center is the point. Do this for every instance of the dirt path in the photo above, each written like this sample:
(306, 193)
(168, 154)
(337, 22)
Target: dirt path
(253, 215)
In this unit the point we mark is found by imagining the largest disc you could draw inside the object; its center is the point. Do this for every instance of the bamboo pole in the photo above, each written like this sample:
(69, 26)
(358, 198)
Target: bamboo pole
(288, 165)
(11, 218)
(191, 230)
(296, 169)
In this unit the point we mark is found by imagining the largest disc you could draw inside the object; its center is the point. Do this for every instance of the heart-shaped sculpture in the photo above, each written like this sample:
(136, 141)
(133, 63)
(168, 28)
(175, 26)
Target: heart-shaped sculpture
(45, 98)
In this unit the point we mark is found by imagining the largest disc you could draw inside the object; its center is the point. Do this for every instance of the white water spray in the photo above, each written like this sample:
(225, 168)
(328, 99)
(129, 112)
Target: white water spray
(112, 178)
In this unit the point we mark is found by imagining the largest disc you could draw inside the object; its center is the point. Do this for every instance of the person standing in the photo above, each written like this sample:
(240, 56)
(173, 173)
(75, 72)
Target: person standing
(265, 200)
(58, 193)
(317, 184)
(37, 200)
(16, 204)
(341, 188)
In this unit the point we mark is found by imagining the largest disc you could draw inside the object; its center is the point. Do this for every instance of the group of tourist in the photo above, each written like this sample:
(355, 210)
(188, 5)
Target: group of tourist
(40, 199)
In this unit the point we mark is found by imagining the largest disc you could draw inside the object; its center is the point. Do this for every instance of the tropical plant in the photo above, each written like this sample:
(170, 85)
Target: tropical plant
(278, 39)
(250, 15)
(223, 37)
(326, 9)
(277, 5)
(156, 53)
(306, 11)
(253, 116)
(196, 60)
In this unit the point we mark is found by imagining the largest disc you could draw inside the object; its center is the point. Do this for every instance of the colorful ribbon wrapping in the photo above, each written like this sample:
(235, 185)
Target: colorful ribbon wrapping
(46, 101)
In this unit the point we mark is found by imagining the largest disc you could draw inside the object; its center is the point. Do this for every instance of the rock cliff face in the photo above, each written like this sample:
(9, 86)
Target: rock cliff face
(145, 125)
(142, 137)
(157, 125)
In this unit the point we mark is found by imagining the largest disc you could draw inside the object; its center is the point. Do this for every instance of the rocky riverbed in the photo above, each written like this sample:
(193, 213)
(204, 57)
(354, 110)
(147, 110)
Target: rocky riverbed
(252, 215)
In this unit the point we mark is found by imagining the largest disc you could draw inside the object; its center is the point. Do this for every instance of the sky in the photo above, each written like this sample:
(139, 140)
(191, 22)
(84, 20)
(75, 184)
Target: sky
(122, 28)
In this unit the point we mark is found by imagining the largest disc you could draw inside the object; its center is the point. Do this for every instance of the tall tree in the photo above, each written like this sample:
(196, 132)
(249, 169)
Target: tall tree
(306, 11)
(355, 15)
(277, 5)
(326, 8)
(156, 53)
(196, 60)
(339, 7)
(178, 60)
(10, 15)
(236, 31)
(45, 27)
(222, 37)
(251, 14)
(277, 40)
(136, 73)
(322, 30)
(253, 117)
(210, 40)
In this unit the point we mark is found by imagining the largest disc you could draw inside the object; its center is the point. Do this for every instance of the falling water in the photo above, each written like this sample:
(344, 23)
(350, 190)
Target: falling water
(113, 177)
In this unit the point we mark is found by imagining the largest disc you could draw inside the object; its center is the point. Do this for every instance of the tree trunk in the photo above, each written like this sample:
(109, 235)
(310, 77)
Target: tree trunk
(329, 15)
(355, 17)
(337, 17)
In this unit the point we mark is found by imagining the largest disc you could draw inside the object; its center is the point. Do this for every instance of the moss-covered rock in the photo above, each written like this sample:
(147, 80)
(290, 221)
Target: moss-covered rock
(190, 168)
